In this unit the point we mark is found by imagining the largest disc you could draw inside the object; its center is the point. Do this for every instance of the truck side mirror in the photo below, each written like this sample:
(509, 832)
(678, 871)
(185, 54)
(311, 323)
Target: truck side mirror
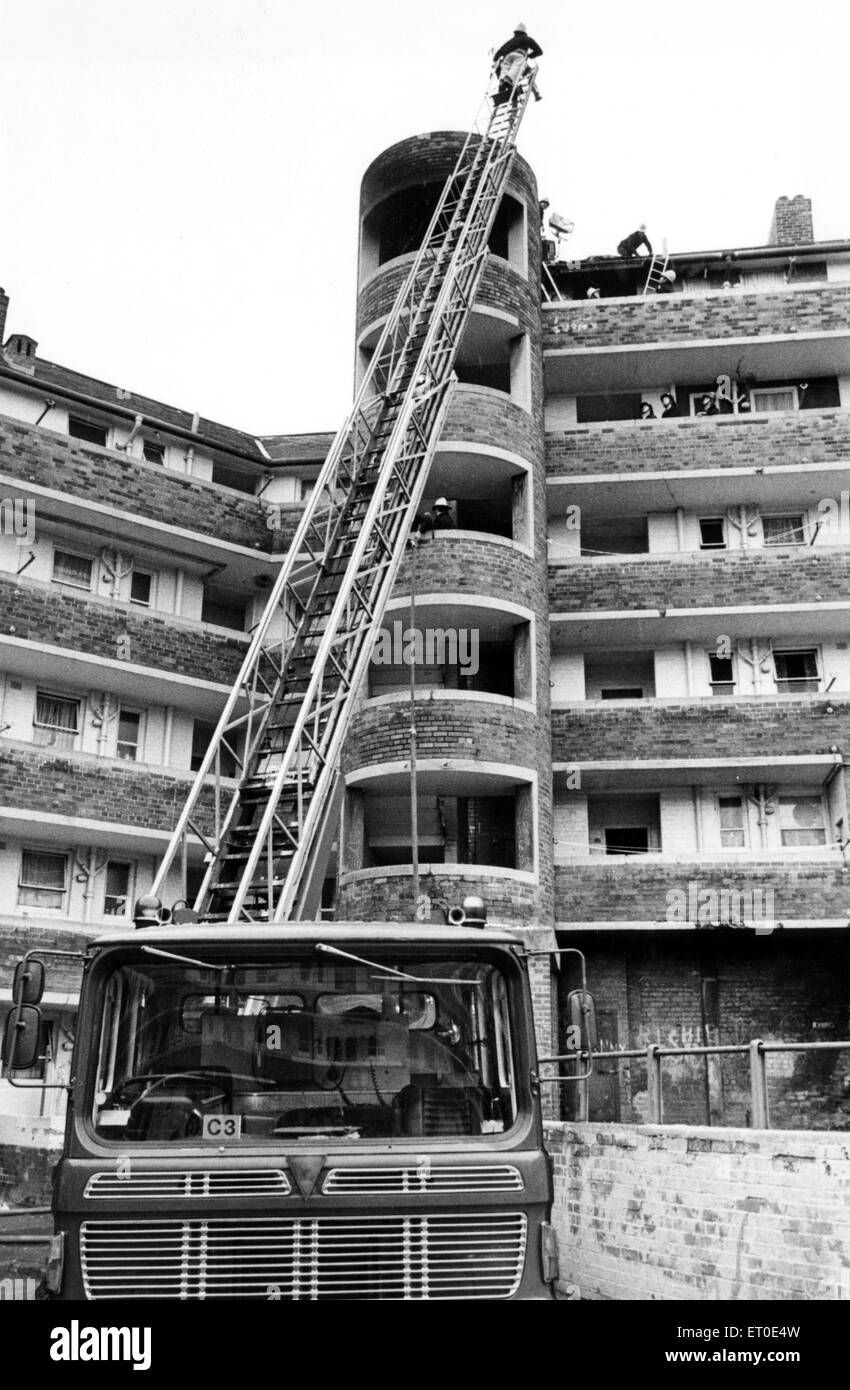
(28, 983)
(21, 1037)
(581, 1012)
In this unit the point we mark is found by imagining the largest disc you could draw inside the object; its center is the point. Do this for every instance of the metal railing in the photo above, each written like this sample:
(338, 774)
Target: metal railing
(756, 1050)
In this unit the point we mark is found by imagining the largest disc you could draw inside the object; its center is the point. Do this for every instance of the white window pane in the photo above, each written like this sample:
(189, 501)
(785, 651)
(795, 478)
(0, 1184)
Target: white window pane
(783, 530)
(75, 570)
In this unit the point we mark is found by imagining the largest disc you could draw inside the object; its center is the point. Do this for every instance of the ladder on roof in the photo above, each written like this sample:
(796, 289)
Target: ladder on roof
(658, 263)
(286, 718)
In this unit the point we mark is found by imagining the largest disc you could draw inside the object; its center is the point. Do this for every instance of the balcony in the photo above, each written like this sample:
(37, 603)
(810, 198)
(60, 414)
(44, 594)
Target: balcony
(451, 727)
(48, 793)
(683, 595)
(777, 441)
(110, 479)
(468, 562)
(43, 614)
(677, 895)
(386, 894)
(770, 726)
(590, 345)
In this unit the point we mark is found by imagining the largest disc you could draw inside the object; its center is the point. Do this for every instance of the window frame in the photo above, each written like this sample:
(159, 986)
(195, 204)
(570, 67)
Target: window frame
(140, 714)
(784, 516)
(76, 700)
(743, 829)
(756, 391)
(807, 795)
(712, 545)
(71, 583)
(90, 425)
(61, 894)
(157, 448)
(786, 684)
(138, 602)
(731, 684)
(130, 866)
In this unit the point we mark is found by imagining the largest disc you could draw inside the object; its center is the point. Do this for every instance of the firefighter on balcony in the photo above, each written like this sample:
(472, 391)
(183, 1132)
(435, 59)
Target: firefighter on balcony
(628, 247)
(439, 519)
(510, 60)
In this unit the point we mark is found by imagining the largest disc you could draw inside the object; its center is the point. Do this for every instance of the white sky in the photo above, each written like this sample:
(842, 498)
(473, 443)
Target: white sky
(180, 178)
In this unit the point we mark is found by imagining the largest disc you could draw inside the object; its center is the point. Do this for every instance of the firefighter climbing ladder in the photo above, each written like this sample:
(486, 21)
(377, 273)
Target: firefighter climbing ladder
(287, 715)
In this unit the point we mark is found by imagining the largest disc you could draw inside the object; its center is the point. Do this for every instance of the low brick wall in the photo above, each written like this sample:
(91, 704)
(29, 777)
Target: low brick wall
(455, 729)
(478, 415)
(35, 612)
(707, 728)
(674, 1212)
(796, 574)
(95, 788)
(37, 455)
(801, 436)
(389, 897)
(631, 891)
(449, 563)
(501, 288)
(666, 318)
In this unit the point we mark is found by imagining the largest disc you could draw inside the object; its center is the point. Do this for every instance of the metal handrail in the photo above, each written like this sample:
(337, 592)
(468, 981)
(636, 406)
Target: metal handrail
(757, 1050)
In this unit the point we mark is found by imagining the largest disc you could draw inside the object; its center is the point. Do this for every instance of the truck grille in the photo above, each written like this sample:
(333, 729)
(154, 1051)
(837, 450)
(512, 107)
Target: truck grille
(444, 1177)
(254, 1182)
(381, 1257)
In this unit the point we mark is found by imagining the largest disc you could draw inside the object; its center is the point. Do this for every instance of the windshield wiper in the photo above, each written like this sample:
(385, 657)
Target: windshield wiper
(185, 960)
(389, 972)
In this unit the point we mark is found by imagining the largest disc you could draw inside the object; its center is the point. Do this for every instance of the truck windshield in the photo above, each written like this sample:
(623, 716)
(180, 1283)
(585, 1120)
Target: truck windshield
(304, 1051)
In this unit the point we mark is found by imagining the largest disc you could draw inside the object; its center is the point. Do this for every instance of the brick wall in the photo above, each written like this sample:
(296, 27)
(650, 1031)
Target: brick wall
(661, 1213)
(721, 987)
(63, 977)
(802, 436)
(464, 729)
(501, 288)
(113, 479)
(389, 898)
(705, 729)
(793, 575)
(457, 564)
(36, 612)
(477, 415)
(623, 892)
(92, 788)
(429, 158)
(664, 318)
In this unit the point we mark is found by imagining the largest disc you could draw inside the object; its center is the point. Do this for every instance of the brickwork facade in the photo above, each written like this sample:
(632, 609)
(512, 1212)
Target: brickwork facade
(455, 729)
(36, 612)
(651, 1212)
(677, 318)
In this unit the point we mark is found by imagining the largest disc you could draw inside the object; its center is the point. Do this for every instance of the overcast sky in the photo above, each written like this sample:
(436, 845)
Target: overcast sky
(180, 178)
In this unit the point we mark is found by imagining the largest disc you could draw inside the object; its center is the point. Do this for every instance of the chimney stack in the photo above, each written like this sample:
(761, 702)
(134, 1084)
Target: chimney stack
(792, 222)
(20, 351)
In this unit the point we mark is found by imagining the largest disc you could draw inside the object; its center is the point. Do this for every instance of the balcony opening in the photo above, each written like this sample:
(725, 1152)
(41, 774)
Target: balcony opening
(619, 676)
(223, 608)
(624, 825)
(202, 733)
(452, 660)
(601, 536)
(232, 476)
(397, 227)
(761, 398)
(480, 830)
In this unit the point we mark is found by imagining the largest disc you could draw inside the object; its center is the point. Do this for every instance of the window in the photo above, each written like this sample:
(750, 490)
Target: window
(202, 733)
(73, 570)
(305, 487)
(712, 533)
(87, 430)
(117, 891)
(223, 609)
(624, 692)
(129, 729)
(801, 820)
(141, 588)
(796, 671)
(628, 840)
(733, 831)
(43, 879)
(767, 402)
(784, 530)
(153, 453)
(722, 675)
(57, 720)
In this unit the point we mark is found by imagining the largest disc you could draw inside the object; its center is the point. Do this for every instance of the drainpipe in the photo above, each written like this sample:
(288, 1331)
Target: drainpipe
(680, 528)
(167, 735)
(689, 668)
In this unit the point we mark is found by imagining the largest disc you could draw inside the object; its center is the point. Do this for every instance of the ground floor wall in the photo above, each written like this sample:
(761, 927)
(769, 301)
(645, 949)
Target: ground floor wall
(691, 989)
(680, 1212)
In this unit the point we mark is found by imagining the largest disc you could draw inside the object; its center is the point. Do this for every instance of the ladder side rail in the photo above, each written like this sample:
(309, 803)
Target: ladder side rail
(323, 484)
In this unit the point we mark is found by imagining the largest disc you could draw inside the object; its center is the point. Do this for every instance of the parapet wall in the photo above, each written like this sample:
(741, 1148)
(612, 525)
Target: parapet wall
(674, 1212)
